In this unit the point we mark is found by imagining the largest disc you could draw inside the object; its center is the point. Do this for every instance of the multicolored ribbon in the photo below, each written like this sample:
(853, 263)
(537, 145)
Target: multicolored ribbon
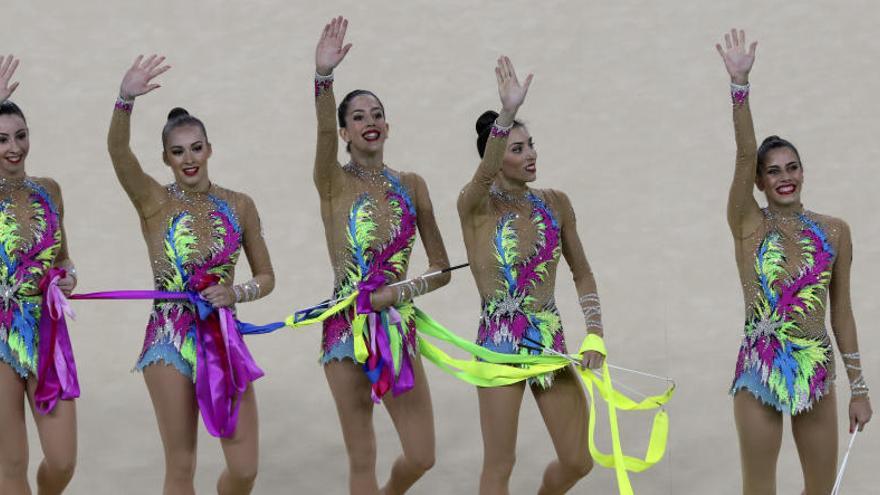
(385, 365)
(224, 366)
(56, 376)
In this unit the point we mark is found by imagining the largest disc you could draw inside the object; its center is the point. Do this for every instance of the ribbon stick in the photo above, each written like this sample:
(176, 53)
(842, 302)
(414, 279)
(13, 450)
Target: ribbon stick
(325, 308)
(501, 369)
(839, 480)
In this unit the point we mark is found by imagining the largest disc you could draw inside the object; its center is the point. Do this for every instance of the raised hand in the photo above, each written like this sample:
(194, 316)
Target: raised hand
(7, 69)
(512, 93)
(330, 50)
(137, 79)
(737, 60)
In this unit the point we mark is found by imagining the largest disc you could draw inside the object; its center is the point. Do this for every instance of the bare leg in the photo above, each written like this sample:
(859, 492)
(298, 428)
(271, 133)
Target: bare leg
(499, 418)
(564, 408)
(351, 392)
(177, 415)
(815, 434)
(13, 442)
(242, 450)
(57, 432)
(413, 417)
(760, 438)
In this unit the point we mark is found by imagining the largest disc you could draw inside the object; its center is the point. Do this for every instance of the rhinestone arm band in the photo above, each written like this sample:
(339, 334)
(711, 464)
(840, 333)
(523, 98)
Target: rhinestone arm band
(124, 105)
(500, 131)
(739, 93)
(247, 291)
(857, 386)
(411, 290)
(592, 312)
(322, 83)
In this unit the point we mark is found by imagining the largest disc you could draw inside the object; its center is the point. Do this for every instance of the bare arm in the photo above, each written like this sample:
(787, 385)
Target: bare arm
(843, 325)
(256, 250)
(582, 274)
(142, 189)
(512, 95)
(431, 239)
(254, 245)
(743, 212)
(328, 54)
(62, 258)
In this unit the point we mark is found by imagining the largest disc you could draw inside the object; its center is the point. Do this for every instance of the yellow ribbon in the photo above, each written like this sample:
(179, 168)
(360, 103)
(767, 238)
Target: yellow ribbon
(497, 369)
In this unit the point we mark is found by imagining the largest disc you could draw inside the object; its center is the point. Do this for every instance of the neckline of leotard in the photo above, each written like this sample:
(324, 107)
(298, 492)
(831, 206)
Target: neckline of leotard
(184, 195)
(511, 196)
(8, 184)
(794, 213)
(366, 173)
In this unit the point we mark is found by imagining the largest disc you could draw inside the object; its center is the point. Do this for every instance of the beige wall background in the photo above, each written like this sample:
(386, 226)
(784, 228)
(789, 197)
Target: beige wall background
(631, 116)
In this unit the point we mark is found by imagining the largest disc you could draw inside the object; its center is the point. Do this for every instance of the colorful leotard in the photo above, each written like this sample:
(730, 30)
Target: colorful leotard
(514, 241)
(388, 261)
(788, 263)
(171, 329)
(371, 218)
(193, 241)
(31, 241)
(504, 320)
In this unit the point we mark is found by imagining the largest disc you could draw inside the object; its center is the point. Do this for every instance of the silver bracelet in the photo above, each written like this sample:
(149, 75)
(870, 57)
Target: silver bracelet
(591, 310)
(247, 291)
(859, 386)
(320, 77)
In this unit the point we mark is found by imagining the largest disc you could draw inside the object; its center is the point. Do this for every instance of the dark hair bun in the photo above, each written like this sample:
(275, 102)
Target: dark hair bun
(485, 121)
(177, 112)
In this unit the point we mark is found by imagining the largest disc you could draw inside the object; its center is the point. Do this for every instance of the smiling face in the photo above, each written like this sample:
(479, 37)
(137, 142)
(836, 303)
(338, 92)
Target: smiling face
(781, 177)
(365, 127)
(14, 145)
(187, 151)
(520, 157)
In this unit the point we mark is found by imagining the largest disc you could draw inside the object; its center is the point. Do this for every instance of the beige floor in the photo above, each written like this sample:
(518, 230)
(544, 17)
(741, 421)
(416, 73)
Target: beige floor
(631, 115)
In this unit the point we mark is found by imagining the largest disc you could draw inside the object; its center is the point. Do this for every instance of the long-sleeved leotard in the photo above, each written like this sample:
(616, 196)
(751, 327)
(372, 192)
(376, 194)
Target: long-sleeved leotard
(193, 242)
(370, 223)
(32, 240)
(788, 262)
(513, 245)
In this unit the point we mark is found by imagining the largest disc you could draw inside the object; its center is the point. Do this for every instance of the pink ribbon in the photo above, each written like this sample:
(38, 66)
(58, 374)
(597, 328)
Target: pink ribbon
(56, 376)
(224, 366)
(224, 369)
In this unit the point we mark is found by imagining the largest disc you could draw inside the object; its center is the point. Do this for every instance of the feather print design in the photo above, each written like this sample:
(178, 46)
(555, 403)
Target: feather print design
(390, 258)
(791, 370)
(23, 265)
(171, 329)
(506, 319)
(180, 245)
(226, 244)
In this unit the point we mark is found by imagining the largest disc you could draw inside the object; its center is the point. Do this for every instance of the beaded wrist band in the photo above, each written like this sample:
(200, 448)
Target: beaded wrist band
(592, 311)
(857, 386)
(500, 131)
(247, 291)
(739, 93)
(322, 83)
(124, 105)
